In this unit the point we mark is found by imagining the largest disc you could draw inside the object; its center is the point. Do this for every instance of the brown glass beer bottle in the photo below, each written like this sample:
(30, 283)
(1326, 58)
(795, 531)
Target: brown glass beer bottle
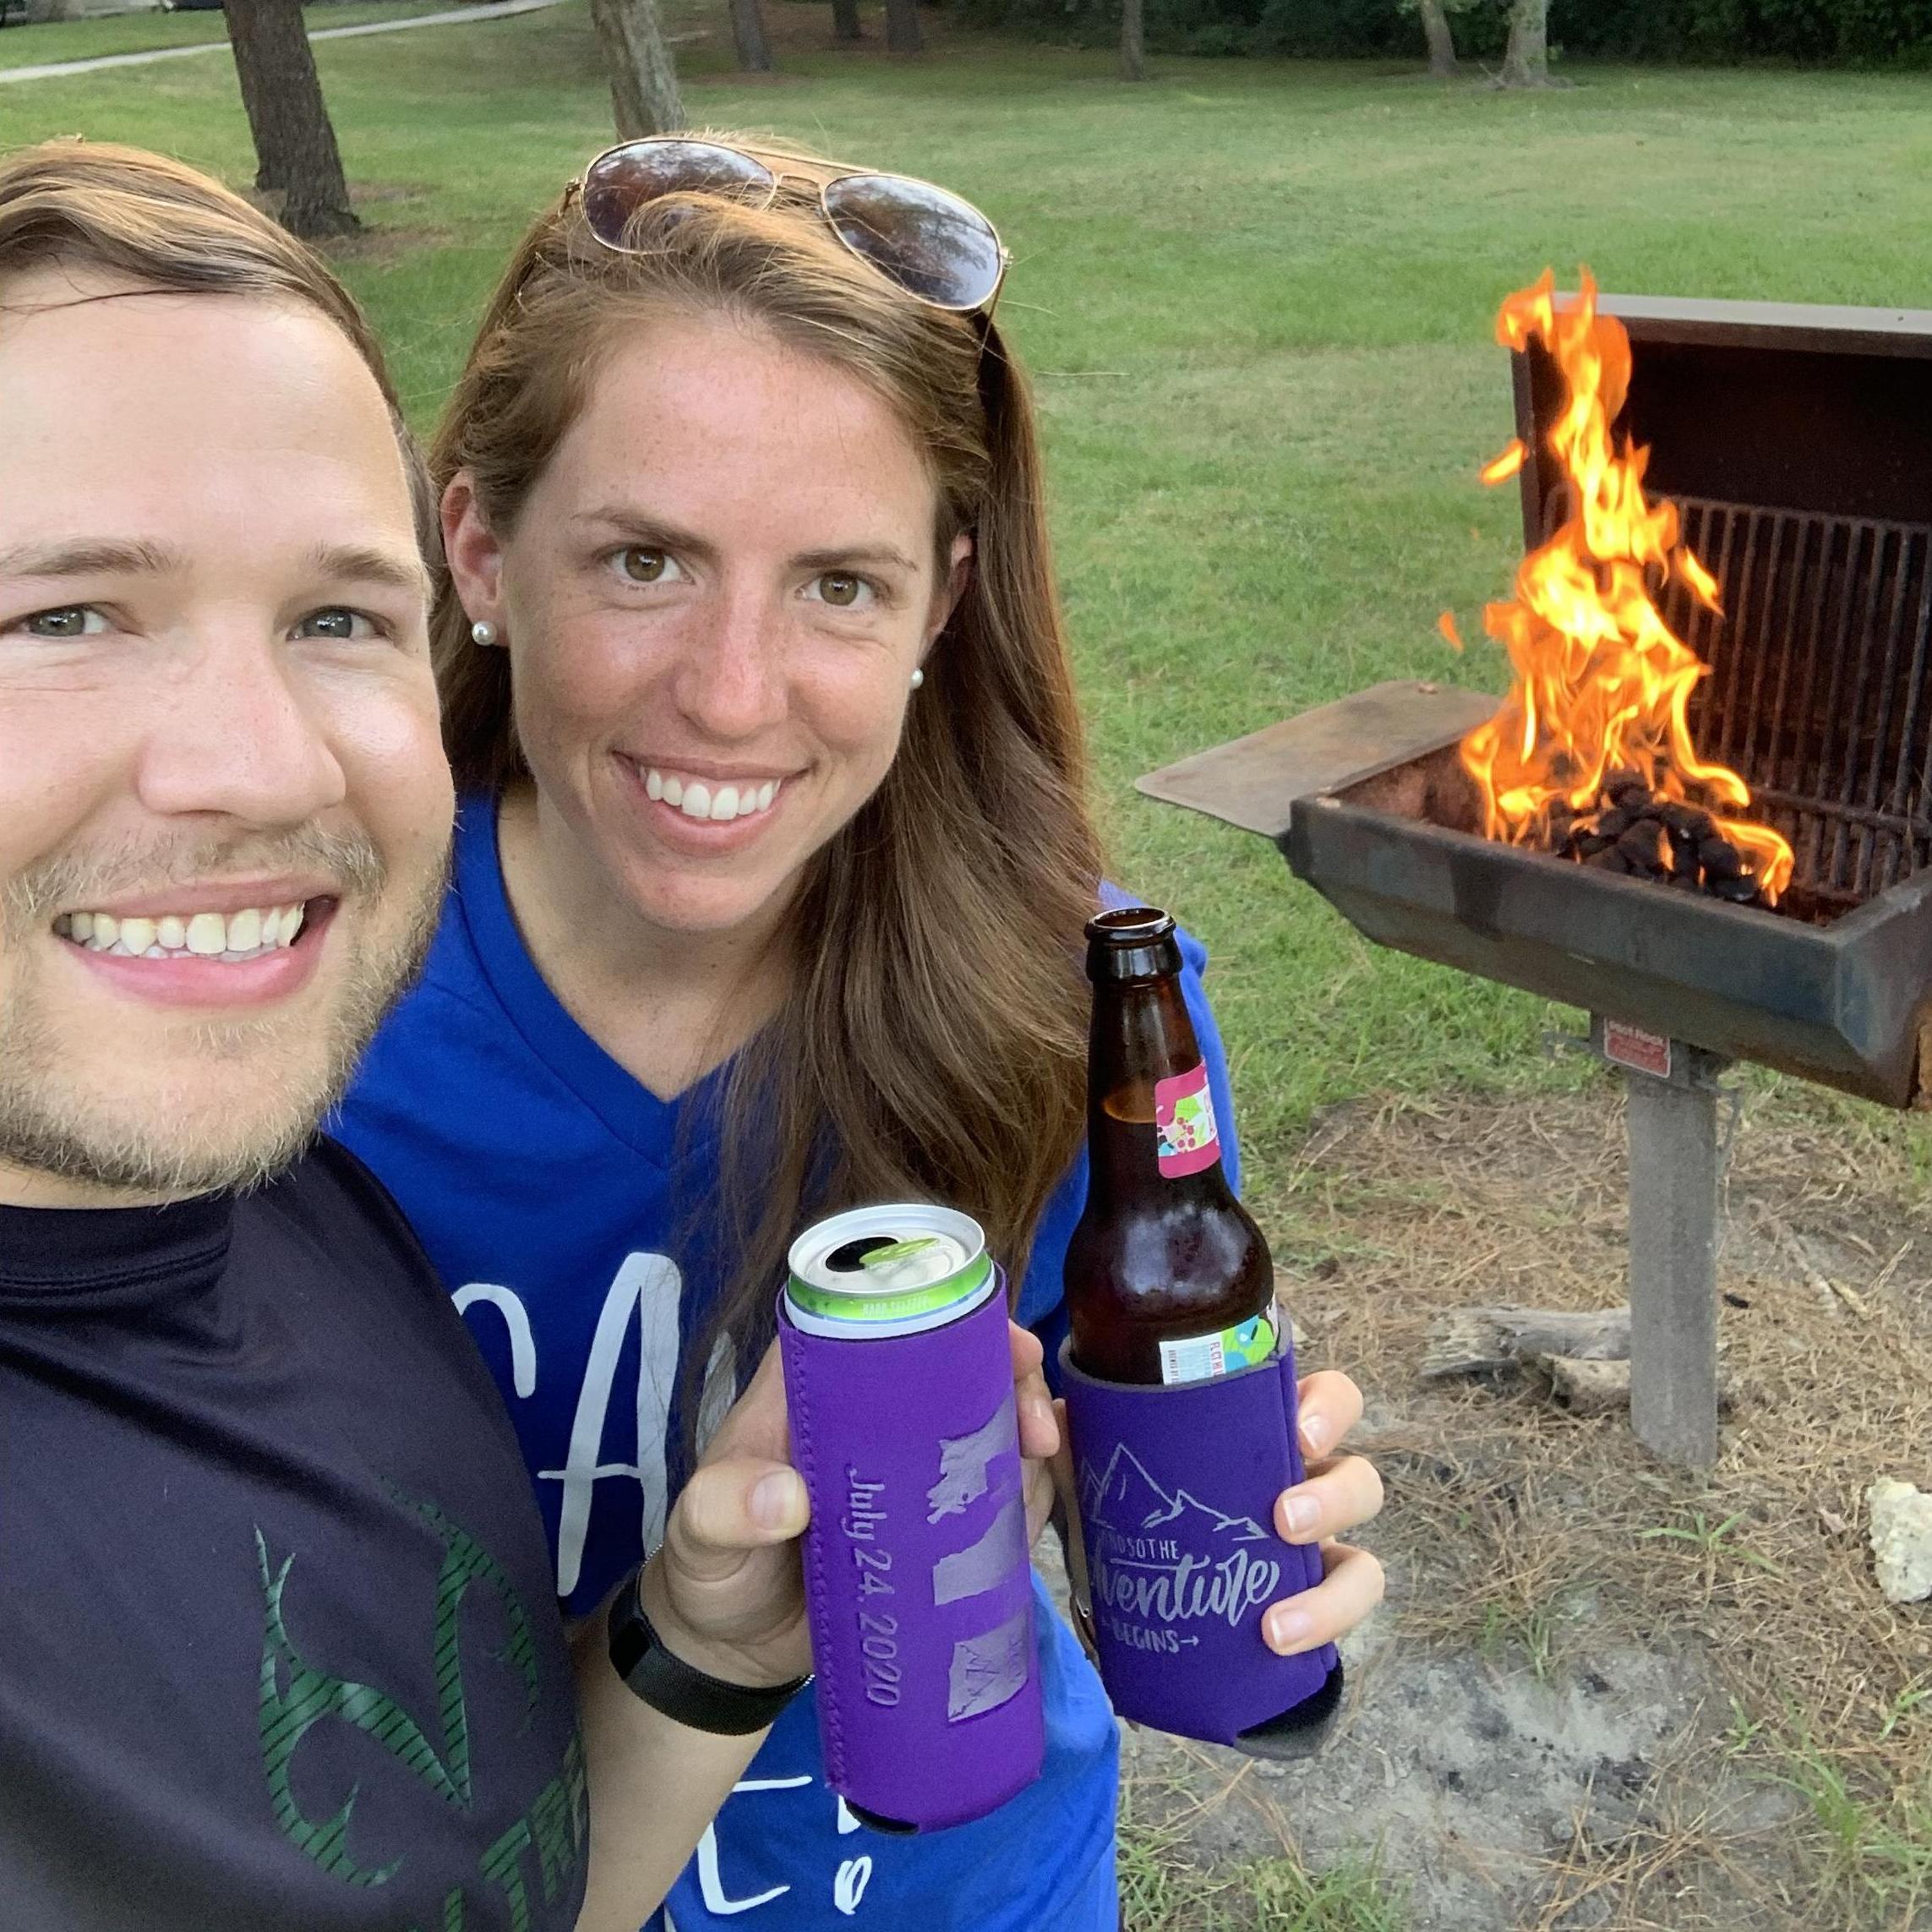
(1168, 1278)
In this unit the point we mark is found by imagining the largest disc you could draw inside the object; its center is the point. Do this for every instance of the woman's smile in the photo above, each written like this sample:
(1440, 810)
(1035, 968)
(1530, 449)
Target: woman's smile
(706, 808)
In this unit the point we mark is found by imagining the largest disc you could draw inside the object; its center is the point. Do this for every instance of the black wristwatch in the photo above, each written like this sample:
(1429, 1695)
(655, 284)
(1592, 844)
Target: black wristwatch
(683, 1693)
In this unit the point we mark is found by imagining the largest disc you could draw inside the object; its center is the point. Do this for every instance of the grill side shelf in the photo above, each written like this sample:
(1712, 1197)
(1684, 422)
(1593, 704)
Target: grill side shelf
(1254, 782)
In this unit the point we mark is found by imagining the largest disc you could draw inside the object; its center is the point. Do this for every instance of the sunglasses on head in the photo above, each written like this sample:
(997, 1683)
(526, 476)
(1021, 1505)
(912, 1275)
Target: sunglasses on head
(940, 250)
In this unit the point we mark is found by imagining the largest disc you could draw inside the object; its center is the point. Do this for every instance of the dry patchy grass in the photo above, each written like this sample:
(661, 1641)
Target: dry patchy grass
(1515, 1529)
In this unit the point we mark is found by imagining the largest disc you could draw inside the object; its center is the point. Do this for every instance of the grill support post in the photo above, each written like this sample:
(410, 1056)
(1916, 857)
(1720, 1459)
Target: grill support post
(1675, 1162)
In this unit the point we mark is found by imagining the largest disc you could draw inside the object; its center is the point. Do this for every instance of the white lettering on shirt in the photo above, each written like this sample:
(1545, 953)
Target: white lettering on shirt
(650, 1284)
(711, 1886)
(850, 1887)
(522, 1346)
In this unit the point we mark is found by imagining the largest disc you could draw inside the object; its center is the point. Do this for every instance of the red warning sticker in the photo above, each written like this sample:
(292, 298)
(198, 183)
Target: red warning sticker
(1631, 1046)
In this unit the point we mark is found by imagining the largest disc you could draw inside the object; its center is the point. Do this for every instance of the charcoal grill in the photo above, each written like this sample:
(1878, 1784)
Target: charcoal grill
(1797, 444)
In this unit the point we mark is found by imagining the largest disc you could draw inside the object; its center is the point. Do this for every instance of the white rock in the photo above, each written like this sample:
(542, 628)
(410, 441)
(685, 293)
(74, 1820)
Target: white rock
(1902, 1540)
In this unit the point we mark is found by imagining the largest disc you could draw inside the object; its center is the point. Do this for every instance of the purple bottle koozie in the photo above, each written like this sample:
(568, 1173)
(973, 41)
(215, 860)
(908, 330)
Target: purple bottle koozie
(917, 1581)
(1177, 1486)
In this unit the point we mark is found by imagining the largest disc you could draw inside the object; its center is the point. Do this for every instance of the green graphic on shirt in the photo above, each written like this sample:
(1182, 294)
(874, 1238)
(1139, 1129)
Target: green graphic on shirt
(296, 1697)
(555, 1827)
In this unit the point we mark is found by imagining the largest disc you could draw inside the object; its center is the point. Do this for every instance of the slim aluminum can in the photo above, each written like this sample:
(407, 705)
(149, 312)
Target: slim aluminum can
(898, 1377)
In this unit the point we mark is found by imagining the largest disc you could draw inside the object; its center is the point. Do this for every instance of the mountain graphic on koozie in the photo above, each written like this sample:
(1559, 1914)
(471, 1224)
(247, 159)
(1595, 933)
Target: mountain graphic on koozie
(1127, 1498)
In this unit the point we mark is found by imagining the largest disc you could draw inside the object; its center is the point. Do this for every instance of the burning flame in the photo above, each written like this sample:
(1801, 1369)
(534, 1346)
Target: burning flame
(1601, 685)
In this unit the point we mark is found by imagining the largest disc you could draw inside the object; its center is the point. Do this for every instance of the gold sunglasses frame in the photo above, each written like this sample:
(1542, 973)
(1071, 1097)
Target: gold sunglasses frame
(819, 183)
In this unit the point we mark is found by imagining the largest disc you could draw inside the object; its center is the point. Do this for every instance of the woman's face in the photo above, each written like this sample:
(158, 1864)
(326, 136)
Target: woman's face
(714, 601)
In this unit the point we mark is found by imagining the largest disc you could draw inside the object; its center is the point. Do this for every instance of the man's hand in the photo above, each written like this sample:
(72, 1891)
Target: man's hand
(726, 1592)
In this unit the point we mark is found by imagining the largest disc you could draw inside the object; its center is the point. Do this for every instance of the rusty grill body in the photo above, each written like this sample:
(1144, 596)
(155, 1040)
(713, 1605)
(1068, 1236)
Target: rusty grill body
(1798, 444)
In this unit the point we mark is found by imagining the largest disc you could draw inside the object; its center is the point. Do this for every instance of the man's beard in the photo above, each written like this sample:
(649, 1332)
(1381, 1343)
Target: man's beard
(48, 1126)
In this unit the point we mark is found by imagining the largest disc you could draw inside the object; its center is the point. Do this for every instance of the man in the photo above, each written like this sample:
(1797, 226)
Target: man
(278, 1647)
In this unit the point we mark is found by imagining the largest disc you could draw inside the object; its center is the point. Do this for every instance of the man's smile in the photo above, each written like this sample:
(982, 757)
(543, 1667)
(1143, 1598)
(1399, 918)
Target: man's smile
(198, 955)
(233, 937)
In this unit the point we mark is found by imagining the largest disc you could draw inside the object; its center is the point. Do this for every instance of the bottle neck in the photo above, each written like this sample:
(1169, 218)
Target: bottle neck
(1151, 1129)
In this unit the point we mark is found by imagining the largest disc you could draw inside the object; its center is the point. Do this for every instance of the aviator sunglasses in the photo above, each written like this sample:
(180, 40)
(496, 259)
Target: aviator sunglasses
(940, 250)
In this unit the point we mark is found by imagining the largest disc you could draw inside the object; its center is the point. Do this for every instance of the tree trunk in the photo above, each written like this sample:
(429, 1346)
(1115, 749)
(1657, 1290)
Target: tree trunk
(1134, 50)
(747, 31)
(295, 142)
(644, 97)
(845, 21)
(271, 161)
(903, 34)
(1527, 62)
(1442, 43)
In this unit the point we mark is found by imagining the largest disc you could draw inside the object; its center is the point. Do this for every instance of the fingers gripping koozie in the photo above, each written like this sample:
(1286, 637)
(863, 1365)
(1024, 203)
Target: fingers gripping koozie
(1177, 1486)
(918, 1583)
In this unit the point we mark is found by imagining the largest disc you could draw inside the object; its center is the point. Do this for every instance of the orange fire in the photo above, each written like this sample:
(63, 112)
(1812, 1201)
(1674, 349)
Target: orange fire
(1601, 685)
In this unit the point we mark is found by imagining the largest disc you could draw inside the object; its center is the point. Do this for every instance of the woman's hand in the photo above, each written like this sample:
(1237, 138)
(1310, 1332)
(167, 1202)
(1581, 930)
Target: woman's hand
(726, 1591)
(725, 1594)
(1040, 1431)
(1339, 1493)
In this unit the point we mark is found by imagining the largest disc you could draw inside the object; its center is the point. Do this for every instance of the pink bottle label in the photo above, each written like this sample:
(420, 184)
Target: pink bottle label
(1184, 1123)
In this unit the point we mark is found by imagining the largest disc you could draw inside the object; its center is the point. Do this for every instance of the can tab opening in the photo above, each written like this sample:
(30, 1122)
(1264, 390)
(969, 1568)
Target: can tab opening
(870, 1251)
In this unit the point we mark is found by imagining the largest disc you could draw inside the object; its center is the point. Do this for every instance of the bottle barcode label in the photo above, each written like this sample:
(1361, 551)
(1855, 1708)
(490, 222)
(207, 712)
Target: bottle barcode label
(1201, 1358)
(1184, 1124)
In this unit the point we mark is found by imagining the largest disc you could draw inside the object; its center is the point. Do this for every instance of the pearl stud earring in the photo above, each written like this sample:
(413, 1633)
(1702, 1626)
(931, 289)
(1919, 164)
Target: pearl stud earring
(918, 679)
(482, 633)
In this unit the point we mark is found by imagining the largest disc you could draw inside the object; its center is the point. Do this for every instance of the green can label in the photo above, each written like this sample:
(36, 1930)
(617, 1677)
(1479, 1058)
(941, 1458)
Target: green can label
(851, 1305)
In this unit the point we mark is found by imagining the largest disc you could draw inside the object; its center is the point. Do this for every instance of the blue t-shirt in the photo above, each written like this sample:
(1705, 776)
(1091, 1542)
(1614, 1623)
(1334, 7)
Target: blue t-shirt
(554, 1192)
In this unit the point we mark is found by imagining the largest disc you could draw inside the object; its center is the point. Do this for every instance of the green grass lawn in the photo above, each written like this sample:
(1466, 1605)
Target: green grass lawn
(50, 41)
(1257, 299)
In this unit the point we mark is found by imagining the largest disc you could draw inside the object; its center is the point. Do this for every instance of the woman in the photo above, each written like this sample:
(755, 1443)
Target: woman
(770, 884)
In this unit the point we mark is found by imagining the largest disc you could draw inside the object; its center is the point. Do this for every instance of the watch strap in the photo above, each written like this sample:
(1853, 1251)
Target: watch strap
(680, 1691)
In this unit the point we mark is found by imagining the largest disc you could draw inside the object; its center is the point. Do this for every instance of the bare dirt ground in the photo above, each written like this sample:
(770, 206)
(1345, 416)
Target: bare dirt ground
(1602, 1693)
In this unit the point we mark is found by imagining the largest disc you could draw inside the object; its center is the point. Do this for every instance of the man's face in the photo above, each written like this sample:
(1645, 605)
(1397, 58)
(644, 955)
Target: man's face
(223, 809)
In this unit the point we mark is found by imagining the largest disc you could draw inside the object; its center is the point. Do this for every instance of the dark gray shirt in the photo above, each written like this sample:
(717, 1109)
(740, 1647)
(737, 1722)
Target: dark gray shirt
(278, 1642)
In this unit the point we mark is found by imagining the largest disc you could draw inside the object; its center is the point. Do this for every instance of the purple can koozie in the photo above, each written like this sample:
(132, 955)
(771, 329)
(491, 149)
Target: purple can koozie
(1177, 1485)
(917, 1581)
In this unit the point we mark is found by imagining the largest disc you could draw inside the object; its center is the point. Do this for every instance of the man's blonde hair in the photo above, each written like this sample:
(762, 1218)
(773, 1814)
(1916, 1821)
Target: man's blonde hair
(159, 225)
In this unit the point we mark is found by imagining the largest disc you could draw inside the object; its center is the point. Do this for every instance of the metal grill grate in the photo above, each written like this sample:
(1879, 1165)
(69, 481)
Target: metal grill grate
(1817, 693)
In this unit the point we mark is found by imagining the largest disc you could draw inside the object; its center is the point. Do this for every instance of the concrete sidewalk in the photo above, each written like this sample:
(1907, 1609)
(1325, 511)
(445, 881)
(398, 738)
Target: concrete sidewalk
(495, 10)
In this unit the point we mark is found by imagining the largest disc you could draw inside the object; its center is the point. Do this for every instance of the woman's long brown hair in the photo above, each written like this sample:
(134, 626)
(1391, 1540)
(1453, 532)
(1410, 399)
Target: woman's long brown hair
(932, 1042)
